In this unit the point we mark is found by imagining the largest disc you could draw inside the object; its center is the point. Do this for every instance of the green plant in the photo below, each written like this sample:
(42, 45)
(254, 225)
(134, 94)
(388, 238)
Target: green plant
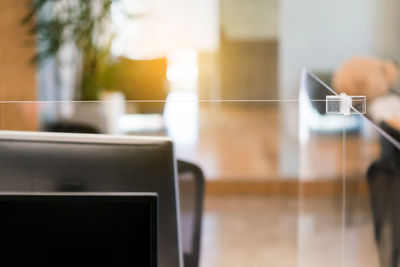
(85, 24)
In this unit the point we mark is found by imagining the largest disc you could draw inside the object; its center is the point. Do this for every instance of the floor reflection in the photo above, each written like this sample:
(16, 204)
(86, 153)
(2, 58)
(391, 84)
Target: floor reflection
(285, 231)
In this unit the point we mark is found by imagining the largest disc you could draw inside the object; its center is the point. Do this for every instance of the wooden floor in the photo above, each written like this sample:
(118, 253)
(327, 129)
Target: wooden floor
(236, 142)
(239, 148)
(285, 232)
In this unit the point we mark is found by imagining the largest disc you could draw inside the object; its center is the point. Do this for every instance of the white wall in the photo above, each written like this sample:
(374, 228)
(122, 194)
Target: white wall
(319, 35)
(164, 26)
(388, 31)
(250, 19)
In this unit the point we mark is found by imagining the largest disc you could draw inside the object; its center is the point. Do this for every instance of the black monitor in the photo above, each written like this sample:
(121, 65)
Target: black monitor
(57, 162)
(315, 90)
(78, 230)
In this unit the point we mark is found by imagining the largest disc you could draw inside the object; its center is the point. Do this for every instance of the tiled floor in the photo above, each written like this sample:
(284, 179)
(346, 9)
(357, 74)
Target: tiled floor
(282, 232)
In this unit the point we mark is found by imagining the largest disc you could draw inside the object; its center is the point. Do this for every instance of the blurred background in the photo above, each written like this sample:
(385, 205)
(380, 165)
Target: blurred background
(221, 78)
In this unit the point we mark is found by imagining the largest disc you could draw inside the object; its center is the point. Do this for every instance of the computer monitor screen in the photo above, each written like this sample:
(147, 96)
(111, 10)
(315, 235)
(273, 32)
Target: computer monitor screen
(78, 230)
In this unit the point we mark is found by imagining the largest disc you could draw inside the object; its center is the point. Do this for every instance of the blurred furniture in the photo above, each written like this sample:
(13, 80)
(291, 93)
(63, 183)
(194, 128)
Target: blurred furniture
(249, 68)
(191, 195)
(70, 127)
(140, 80)
(384, 186)
(142, 124)
(313, 90)
(317, 91)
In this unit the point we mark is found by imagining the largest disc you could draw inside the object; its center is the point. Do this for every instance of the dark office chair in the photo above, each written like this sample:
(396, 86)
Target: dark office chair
(191, 191)
(383, 178)
(191, 194)
(70, 127)
(141, 80)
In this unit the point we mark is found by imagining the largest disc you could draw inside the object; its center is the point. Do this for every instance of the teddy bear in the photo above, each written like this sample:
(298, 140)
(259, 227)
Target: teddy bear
(374, 78)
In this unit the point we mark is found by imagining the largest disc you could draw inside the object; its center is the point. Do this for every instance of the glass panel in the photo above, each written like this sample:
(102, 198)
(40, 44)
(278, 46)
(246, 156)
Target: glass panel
(355, 222)
(267, 202)
(320, 220)
(372, 188)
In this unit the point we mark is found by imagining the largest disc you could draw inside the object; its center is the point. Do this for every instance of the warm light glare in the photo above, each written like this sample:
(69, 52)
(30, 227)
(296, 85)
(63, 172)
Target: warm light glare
(182, 70)
(181, 117)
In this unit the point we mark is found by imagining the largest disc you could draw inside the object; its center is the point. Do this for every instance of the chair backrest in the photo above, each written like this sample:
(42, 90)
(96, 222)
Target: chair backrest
(49, 162)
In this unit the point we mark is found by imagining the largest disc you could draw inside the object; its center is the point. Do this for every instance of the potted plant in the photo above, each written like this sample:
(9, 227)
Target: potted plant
(86, 27)
(82, 24)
